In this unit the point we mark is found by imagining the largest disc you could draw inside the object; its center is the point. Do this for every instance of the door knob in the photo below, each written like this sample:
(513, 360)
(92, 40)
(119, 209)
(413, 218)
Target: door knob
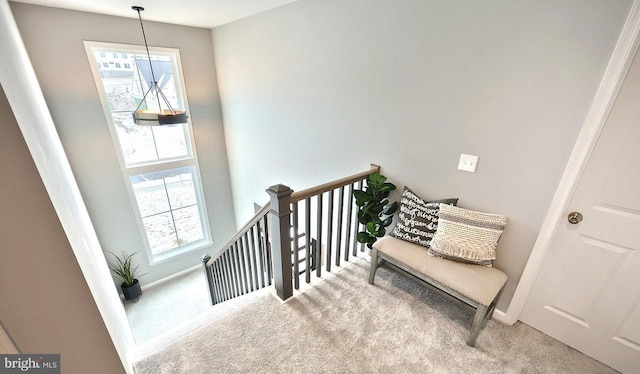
(575, 217)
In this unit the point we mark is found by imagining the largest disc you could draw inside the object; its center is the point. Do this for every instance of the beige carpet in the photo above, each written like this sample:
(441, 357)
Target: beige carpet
(167, 305)
(345, 325)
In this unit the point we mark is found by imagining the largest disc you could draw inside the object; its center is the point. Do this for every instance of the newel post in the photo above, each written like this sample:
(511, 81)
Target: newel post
(281, 239)
(205, 258)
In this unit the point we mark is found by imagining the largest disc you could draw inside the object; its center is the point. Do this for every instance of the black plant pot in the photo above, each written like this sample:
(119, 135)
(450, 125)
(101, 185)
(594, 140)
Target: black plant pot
(132, 292)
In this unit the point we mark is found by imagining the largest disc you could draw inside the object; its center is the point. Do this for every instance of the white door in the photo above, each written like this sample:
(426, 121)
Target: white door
(587, 294)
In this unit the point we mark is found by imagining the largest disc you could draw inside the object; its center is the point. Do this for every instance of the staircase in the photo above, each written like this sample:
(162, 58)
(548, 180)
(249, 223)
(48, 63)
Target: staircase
(296, 234)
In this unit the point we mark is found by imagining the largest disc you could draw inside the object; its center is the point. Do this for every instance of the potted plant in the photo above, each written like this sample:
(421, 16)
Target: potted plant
(127, 273)
(374, 212)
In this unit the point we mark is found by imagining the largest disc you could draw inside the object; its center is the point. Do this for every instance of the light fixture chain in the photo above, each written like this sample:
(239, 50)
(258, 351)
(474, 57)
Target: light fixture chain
(154, 83)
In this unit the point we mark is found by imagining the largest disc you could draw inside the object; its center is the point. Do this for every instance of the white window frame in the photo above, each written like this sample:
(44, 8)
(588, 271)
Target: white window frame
(131, 169)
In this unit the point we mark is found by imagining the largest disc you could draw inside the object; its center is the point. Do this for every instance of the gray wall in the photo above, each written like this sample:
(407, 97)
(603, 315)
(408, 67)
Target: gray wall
(318, 89)
(54, 41)
(46, 305)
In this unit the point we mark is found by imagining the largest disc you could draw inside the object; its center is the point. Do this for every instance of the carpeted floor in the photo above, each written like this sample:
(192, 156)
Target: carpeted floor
(345, 325)
(163, 307)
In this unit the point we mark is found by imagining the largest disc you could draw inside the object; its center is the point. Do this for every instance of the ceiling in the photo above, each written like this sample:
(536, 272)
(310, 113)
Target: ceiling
(198, 13)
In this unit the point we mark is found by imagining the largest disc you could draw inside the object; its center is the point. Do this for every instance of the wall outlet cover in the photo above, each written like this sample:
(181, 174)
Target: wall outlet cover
(468, 163)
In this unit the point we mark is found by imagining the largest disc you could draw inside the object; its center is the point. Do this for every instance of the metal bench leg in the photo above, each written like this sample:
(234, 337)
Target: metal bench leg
(374, 265)
(478, 321)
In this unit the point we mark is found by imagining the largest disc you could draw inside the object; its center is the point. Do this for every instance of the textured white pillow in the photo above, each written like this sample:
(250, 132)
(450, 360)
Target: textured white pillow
(466, 235)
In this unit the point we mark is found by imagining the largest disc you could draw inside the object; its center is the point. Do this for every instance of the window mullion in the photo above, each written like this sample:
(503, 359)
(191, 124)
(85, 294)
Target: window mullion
(173, 218)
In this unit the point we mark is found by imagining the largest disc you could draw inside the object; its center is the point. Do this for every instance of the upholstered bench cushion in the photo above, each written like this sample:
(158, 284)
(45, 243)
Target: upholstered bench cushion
(479, 283)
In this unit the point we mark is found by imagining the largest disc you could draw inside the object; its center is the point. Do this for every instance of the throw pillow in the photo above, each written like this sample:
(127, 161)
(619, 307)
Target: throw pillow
(418, 219)
(466, 235)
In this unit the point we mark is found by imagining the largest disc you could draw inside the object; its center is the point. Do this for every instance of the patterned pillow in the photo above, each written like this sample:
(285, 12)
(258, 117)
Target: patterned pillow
(467, 235)
(418, 219)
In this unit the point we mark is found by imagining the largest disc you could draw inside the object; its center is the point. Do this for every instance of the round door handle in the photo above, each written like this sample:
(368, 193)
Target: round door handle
(575, 217)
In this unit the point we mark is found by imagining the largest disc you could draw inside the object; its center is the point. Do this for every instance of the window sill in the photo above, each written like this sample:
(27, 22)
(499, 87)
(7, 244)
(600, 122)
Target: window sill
(171, 254)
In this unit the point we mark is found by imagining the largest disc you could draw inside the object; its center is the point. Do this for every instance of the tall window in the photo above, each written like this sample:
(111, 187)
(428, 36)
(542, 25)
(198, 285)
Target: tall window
(159, 163)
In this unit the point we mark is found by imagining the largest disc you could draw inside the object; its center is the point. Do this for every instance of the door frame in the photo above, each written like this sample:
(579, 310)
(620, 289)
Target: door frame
(594, 123)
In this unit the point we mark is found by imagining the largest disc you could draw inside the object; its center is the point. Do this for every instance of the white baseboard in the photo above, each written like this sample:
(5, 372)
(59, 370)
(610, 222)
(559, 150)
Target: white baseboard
(164, 280)
(170, 277)
(501, 317)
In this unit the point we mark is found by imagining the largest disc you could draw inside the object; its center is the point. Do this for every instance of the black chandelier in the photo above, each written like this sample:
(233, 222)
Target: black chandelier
(146, 117)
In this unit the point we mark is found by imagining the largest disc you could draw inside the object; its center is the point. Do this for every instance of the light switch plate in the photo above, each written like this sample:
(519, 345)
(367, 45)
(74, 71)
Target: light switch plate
(468, 163)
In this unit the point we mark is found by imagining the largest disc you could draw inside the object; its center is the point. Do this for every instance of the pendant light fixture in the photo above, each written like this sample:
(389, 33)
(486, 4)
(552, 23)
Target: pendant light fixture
(146, 117)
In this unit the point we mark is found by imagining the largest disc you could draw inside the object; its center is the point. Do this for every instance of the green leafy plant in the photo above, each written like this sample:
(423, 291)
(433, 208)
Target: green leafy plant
(124, 269)
(375, 212)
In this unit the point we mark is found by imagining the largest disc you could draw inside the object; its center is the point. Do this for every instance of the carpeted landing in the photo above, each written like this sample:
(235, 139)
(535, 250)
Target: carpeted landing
(345, 325)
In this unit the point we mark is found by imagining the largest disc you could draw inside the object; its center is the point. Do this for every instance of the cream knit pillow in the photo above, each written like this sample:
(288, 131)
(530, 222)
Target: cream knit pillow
(466, 235)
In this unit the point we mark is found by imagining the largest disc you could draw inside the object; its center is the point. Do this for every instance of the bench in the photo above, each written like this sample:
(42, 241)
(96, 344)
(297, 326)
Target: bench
(474, 285)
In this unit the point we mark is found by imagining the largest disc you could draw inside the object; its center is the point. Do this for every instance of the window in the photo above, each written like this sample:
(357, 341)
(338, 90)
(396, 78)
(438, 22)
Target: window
(118, 65)
(159, 163)
(104, 64)
(127, 66)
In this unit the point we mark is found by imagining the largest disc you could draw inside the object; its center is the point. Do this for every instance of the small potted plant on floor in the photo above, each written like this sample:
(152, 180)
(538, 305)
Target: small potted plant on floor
(127, 273)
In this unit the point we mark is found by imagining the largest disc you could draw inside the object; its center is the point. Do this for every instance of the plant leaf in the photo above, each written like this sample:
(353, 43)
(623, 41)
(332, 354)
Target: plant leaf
(371, 227)
(362, 237)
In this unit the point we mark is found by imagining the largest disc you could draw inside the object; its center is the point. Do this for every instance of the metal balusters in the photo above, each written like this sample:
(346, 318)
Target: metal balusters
(229, 269)
(254, 262)
(340, 214)
(241, 266)
(296, 259)
(236, 265)
(357, 226)
(216, 283)
(307, 239)
(349, 219)
(318, 254)
(248, 261)
(267, 251)
(221, 279)
(329, 229)
(247, 257)
(263, 269)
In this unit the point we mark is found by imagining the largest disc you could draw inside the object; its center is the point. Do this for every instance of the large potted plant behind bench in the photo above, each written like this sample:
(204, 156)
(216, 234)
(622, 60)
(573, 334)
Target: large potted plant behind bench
(124, 270)
(374, 210)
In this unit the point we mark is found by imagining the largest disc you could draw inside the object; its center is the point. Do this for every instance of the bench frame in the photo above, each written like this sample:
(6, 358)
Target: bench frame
(483, 312)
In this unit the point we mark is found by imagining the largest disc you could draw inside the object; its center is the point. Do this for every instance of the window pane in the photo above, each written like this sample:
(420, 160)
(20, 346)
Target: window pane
(160, 233)
(180, 188)
(167, 202)
(170, 141)
(118, 86)
(163, 73)
(188, 224)
(150, 193)
(124, 91)
(136, 142)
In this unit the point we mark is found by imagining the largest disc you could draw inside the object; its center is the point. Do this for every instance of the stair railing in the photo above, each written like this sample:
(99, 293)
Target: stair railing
(264, 251)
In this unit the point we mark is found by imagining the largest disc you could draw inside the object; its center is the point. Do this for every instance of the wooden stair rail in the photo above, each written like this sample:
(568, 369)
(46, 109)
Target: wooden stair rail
(317, 190)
